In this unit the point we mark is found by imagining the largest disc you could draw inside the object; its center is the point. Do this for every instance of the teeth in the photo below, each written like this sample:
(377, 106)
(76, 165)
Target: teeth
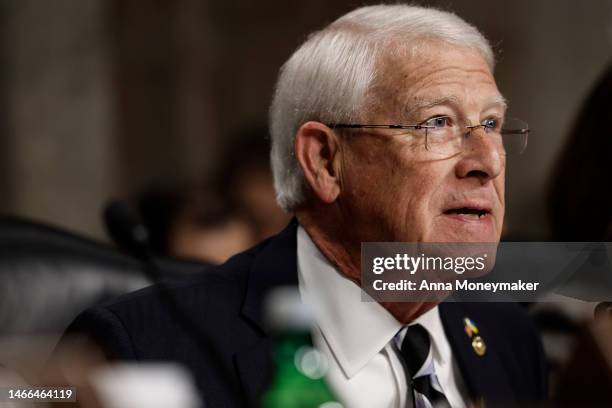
(478, 214)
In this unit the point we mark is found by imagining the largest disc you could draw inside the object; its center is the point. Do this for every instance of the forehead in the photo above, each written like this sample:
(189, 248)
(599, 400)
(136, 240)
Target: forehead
(437, 73)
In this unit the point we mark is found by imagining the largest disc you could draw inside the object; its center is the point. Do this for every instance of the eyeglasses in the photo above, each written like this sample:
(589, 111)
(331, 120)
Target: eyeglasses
(447, 136)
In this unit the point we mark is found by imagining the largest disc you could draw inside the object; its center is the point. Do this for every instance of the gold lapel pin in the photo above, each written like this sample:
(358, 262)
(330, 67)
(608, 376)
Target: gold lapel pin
(478, 344)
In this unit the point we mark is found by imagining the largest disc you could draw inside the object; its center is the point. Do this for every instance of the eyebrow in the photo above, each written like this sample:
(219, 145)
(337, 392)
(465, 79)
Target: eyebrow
(498, 101)
(425, 103)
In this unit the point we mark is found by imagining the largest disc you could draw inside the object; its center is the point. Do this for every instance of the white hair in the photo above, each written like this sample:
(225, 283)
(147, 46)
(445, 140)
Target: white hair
(330, 77)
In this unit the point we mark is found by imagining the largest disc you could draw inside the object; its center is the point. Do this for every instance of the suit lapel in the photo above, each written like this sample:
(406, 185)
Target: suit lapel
(255, 370)
(484, 375)
(274, 265)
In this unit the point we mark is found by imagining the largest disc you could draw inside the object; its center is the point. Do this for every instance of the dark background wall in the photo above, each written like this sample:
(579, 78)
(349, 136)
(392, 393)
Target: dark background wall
(100, 98)
(5, 166)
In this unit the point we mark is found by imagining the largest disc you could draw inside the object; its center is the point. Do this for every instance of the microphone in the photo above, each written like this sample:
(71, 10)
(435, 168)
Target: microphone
(129, 233)
(126, 229)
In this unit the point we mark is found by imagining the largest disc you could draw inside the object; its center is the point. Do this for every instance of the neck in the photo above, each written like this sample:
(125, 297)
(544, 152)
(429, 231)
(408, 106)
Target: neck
(329, 235)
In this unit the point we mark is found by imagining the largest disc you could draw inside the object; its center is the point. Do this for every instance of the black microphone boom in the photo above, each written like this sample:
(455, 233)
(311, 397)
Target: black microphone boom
(126, 229)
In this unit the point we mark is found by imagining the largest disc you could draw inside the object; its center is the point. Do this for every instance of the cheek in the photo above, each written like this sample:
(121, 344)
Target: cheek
(373, 181)
(500, 186)
(420, 191)
(425, 195)
(363, 172)
(395, 193)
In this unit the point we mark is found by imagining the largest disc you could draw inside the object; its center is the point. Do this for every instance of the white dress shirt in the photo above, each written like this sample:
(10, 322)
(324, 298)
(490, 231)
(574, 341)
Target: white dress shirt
(360, 338)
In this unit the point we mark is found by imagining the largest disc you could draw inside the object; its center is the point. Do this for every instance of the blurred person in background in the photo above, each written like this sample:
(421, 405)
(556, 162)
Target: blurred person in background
(580, 210)
(245, 179)
(234, 211)
(580, 198)
(195, 223)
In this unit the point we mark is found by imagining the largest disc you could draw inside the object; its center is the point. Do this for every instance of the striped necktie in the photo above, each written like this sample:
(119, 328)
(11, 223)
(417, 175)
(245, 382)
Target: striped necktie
(420, 373)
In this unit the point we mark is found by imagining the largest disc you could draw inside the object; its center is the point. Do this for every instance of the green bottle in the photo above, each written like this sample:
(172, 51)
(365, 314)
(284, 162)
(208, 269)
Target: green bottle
(299, 380)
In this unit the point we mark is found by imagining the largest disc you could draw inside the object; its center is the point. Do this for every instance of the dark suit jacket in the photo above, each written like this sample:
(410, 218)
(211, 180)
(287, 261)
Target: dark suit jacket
(234, 365)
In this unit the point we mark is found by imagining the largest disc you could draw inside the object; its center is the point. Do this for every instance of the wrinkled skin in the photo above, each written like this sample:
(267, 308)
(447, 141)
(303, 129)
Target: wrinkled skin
(377, 186)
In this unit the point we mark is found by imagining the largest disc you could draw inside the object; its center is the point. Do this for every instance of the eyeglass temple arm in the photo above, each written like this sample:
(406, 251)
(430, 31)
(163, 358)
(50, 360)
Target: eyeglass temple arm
(515, 131)
(359, 126)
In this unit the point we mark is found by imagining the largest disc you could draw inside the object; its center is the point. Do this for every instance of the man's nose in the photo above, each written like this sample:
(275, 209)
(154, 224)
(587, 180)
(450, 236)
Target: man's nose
(482, 156)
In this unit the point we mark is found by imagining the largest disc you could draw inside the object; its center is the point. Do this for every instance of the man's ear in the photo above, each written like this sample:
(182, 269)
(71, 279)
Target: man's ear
(317, 148)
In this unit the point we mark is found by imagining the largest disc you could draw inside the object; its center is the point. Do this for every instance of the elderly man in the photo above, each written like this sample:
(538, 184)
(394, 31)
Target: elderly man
(386, 126)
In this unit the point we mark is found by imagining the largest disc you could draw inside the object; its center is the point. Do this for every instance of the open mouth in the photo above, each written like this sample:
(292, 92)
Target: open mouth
(475, 213)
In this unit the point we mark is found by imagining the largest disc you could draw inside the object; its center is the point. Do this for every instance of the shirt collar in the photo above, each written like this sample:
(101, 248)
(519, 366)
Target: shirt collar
(355, 330)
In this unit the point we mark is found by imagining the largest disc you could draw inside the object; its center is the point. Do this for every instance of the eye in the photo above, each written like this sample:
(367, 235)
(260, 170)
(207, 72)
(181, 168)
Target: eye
(438, 122)
(491, 123)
